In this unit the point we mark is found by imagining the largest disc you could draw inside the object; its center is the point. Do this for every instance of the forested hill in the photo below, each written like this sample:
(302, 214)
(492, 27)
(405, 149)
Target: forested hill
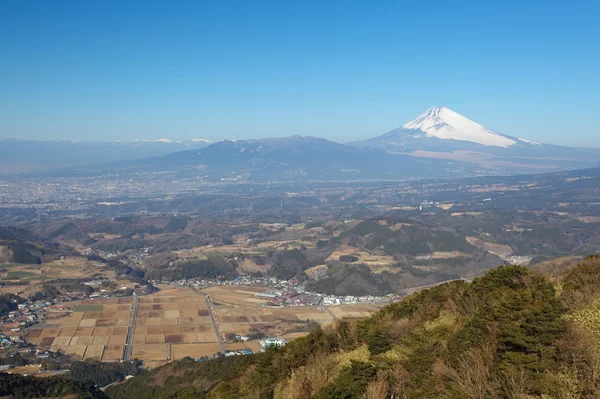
(22, 246)
(16, 386)
(513, 333)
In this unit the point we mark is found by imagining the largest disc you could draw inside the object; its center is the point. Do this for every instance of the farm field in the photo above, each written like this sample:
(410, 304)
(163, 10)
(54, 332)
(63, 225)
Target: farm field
(377, 263)
(175, 322)
(242, 248)
(33, 275)
(72, 267)
(95, 329)
(237, 295)
(172, 324)
(359, 310)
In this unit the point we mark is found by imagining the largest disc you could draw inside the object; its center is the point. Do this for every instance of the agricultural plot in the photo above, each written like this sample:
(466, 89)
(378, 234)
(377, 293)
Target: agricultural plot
(72, 267)
(237, 295)
(377, 263)
(238, 312)
(26, 279)
(96, 329)
(194, 350)
(175, 322)
(169, 319)
(354, 311)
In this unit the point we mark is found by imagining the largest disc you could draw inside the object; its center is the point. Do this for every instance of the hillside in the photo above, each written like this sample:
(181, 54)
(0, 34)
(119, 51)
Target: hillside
(509, 334)
(16, 386)
(18, 245)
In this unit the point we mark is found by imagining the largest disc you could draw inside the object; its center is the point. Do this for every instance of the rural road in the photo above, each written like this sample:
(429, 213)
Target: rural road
(209, 305)
(131, 330)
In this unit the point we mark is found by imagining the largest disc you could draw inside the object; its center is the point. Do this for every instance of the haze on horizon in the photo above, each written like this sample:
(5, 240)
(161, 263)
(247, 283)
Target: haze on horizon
(342, 71)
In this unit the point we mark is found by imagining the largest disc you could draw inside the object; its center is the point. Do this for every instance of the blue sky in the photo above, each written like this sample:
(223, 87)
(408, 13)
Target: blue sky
(343, 70)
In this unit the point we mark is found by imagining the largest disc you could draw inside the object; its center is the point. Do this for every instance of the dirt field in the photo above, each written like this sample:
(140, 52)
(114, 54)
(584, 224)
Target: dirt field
(175, 322)
(151, 352)
(194, 350)
(171, 318)
(34, 368)
(237, 295)
(497, 249)
(96, 328)
(377, 263)
(72, 267)
(354, 311)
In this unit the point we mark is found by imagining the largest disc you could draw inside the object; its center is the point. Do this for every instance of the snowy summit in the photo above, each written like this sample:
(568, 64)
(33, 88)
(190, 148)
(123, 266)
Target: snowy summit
(445, 124)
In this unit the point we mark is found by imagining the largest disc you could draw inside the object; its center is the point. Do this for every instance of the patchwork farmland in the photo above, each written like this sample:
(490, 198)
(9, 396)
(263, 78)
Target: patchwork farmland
(176, 322)
(94, 329)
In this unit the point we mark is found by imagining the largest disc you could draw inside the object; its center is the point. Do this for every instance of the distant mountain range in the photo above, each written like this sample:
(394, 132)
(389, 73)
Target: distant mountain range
(438, 143)
(282, 158)
(18, 156)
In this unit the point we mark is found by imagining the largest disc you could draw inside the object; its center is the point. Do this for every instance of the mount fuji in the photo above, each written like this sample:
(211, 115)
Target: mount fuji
(442, 133)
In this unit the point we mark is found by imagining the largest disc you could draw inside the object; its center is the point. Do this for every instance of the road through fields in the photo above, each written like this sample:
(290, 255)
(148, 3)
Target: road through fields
(131, 330)
(214, 322)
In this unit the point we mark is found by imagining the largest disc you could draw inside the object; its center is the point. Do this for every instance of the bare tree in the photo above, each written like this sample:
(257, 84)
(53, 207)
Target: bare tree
(472, 375)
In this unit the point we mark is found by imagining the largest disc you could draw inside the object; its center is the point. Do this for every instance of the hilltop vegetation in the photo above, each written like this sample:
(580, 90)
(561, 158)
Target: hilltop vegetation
(509, 334)
(16, 386)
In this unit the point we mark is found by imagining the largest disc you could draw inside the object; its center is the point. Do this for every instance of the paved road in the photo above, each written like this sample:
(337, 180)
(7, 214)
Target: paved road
(131, 330)
(209, 305)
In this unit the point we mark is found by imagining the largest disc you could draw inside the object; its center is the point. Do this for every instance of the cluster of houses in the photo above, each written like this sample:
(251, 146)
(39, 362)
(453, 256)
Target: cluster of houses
(282, 293)
(24, 316)
(239, 352)
(11, 341)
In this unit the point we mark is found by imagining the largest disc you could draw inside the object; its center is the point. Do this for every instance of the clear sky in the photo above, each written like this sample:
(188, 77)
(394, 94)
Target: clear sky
(343, 70)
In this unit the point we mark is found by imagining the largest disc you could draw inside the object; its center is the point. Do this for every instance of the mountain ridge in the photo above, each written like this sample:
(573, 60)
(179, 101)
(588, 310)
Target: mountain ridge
(295, 157)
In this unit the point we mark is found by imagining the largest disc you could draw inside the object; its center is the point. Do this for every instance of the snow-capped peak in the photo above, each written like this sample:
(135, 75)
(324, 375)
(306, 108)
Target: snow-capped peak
(200, 141)
(164, 141)
(443, 123)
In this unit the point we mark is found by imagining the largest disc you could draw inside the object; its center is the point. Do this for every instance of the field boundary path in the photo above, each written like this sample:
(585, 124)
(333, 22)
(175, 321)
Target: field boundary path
(131, 330)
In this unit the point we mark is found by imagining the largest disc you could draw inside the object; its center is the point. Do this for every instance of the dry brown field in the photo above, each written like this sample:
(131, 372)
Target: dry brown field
(72, 267)
(358, 310)
(33, 276)
(377, 263)
(171, 318)
(34, 368)
(95, 329)
(175, 322)
(240, 295)
(194, 350)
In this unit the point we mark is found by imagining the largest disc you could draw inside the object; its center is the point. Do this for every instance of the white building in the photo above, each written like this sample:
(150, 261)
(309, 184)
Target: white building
(272, 342)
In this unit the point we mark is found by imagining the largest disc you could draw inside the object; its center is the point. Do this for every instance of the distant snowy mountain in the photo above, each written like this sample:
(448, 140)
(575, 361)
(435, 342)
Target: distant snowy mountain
(443, 123)
(442, 133)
